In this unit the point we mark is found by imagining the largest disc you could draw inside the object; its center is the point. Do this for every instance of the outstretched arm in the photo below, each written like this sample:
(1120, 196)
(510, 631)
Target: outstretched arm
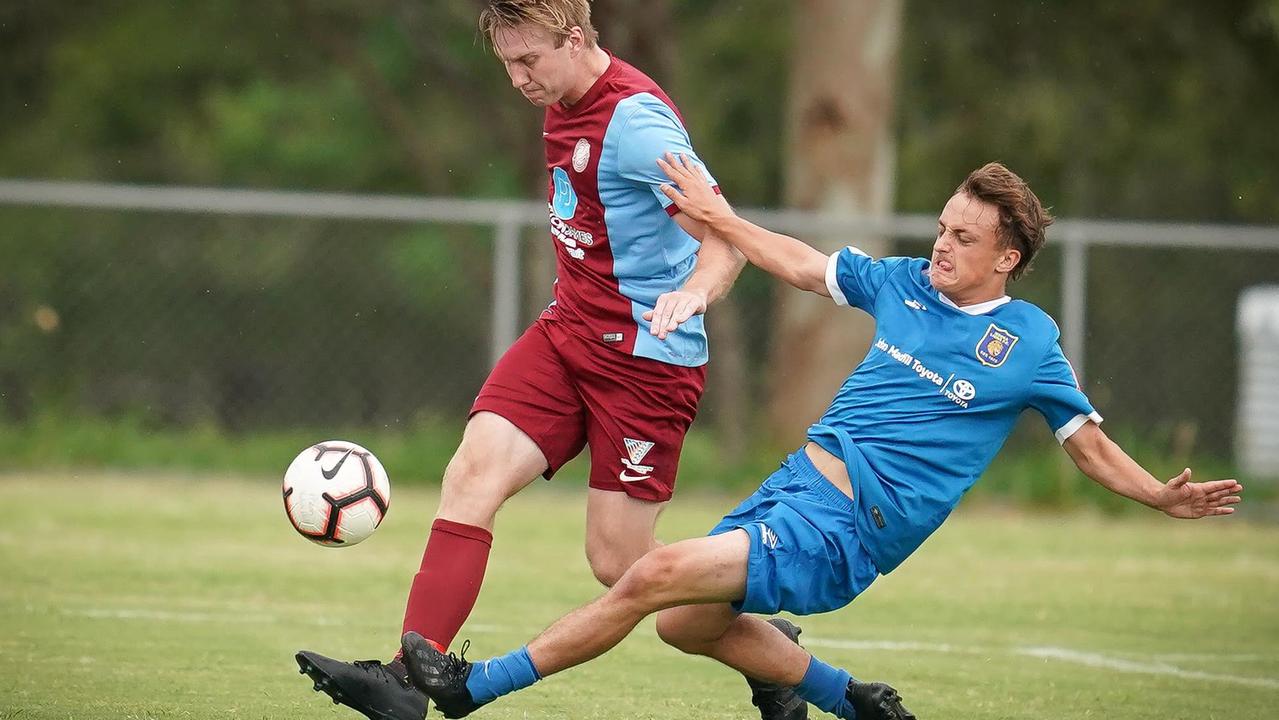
(787, 258)
(718, 266)
(1105, 462)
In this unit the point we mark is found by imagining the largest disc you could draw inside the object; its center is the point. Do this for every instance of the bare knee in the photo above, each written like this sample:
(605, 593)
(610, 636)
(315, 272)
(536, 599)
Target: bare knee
(609, 562)
(652, 580)
(619, 531)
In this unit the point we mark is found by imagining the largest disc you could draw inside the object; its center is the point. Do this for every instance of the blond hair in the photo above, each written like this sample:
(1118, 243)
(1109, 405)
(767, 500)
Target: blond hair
(558, 17)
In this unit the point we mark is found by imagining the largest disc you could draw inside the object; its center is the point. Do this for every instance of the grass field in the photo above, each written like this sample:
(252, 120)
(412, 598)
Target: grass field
(170, 597)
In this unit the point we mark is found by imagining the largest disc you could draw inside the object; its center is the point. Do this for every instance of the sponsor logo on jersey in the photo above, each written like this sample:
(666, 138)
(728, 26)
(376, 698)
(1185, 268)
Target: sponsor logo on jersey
(957, 391)
(581, 155)
(613, 337)
(568, 235)
(636, 450)
(964, 390)
(995, 346)
(914, 304)
(565, 201)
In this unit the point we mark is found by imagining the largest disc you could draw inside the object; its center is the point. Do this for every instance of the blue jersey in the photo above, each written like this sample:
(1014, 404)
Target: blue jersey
(939, 391)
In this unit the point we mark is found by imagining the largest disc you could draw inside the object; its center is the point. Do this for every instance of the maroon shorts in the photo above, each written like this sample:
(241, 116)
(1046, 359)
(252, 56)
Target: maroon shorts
(565, 393)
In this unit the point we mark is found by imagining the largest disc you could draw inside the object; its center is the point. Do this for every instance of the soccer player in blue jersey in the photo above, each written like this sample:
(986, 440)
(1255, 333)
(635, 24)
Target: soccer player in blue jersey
(953, 363)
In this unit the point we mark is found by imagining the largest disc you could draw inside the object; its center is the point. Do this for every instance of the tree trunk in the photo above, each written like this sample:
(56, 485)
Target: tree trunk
(639, 33)
(840, 161)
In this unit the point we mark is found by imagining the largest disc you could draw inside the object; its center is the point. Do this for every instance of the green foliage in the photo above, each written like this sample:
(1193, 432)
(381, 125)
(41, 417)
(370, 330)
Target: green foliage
(1142, 109)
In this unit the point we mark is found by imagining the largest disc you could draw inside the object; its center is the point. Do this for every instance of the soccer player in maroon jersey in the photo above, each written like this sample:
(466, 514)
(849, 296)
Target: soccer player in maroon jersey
(615, 363)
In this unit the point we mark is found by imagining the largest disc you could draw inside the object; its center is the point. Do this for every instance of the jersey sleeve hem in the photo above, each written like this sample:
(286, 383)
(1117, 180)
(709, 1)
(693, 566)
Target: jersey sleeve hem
(832, 284)
(1070, 428)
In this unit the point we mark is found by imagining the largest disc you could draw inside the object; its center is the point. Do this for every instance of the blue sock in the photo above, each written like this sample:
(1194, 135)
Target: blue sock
(491, 679)
(826, 687)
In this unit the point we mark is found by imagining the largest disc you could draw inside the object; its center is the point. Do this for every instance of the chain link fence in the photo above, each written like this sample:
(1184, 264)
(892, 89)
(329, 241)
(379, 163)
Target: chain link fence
(252, 312)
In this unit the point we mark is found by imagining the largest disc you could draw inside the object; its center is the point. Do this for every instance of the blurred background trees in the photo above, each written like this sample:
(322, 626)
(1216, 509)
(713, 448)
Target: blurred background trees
(1140, 110)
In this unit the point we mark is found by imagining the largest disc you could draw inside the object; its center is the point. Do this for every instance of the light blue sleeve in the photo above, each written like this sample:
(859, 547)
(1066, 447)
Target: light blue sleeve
(854, 278)
(650, 130)
(1056, 394)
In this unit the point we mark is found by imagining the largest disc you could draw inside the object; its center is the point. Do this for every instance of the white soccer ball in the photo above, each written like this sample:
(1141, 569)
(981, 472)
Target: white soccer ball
(336, 493)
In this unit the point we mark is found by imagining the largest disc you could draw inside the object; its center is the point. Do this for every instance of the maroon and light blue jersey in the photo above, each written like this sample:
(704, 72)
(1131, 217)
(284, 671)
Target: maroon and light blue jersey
(617, 246)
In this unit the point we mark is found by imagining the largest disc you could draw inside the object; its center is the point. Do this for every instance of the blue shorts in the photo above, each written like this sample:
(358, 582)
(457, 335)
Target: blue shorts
(805, 556)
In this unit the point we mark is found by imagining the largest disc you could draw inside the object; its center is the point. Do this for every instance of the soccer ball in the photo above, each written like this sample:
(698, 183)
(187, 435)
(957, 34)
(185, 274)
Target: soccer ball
(336, 493)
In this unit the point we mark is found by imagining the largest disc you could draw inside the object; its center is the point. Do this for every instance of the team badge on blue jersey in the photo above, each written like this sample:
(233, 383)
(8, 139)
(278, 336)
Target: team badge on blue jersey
(565, 201)
(995, 346)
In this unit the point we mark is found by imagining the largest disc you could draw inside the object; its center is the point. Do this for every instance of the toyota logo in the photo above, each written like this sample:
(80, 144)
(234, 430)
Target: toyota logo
(964, 390)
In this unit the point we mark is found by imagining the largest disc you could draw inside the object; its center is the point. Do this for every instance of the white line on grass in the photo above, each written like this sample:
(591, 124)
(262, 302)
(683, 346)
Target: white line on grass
(1059, 654)
(1112, 663)
(1067, 655)
(169, 616)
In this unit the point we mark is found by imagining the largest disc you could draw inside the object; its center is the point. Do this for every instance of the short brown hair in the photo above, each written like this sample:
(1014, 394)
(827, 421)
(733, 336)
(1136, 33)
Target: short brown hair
(1022, 219)
(558, 17)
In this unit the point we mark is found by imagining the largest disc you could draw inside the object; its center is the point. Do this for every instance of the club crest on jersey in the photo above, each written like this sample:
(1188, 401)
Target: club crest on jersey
(995, 346)
(565, 201)
(581, 155)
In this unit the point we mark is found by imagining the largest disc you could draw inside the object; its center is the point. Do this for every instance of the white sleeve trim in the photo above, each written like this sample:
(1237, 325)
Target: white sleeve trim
(832, 285)
(1065, 431)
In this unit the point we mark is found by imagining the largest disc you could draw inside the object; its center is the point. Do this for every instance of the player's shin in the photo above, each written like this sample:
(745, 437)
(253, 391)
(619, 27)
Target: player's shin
(588, 632)
(826, 686)
(491, 679)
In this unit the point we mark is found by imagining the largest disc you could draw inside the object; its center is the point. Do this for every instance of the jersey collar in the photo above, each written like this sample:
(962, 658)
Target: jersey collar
(594, 90)
(978, 309)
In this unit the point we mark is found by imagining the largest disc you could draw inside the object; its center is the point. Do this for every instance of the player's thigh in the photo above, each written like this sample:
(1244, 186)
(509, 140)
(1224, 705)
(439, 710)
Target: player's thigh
(533, 390)
(702, 570)
(527, 420)
(619, 531)
(494, 461)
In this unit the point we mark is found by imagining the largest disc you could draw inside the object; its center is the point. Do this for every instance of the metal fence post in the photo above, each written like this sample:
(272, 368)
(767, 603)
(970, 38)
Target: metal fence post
(1074, 299)
(506, 286)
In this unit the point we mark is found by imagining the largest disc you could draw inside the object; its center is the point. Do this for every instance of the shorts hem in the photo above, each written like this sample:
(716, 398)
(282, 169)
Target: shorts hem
(551, 466)
(638, 492)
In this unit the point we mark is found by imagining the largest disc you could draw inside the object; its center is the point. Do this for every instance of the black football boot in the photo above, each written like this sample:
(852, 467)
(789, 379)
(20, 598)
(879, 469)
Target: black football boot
(876, 701)
(380, 691)
(441, 677)
(779, 702)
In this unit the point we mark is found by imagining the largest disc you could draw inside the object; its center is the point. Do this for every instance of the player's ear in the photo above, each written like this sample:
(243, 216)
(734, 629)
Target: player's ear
(576, 40)
(1008, 260)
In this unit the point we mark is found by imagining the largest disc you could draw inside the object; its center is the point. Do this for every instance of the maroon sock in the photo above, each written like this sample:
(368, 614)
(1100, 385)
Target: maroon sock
(446, 586)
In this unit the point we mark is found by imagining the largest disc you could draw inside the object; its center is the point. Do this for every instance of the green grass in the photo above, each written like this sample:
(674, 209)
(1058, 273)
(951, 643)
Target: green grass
(185, 597)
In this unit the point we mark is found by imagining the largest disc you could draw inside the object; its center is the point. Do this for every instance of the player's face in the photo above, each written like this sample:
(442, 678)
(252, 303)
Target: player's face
(541, 72)
(968, 258)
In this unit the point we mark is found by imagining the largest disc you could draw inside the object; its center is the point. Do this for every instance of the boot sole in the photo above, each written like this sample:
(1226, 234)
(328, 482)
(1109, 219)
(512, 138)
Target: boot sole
(326, 684)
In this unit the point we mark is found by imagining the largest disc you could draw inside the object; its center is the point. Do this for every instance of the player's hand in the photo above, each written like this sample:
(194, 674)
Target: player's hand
(672, 310)
(694, 196)
(1181, 498)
